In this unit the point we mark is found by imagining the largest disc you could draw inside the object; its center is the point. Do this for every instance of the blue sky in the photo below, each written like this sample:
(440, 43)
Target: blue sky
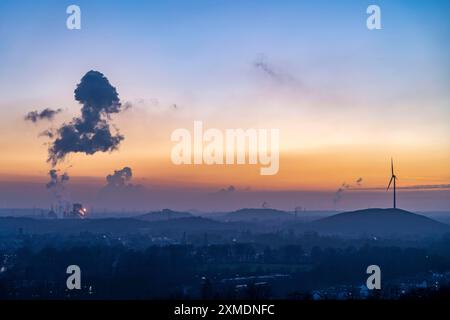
(188, 39)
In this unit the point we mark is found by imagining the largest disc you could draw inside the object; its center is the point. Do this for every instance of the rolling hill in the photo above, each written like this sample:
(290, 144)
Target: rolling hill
(379, 222)
(258, 215)
(165, 214)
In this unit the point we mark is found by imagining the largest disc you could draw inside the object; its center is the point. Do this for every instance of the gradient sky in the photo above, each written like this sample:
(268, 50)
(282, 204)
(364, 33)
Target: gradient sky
(345, 99)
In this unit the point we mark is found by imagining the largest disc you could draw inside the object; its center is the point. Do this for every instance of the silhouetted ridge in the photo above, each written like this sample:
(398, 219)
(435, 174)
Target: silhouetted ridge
(165, 214)
(383, 222)
(258, 214)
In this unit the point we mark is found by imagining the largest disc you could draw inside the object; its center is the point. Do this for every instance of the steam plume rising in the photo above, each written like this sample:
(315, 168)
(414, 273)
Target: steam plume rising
(91, 132)
(57, 186)
(57, 180)
(345, 186)
(339, 192)
(119, 178)
(118, 185)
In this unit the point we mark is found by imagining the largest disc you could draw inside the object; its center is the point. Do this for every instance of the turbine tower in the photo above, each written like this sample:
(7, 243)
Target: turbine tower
(393, 178)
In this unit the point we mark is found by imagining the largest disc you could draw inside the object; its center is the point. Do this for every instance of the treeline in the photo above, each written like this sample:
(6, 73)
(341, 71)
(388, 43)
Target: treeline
(117, 271)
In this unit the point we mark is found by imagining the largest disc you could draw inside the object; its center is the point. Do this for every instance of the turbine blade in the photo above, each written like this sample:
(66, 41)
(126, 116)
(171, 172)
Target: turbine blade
(390, 181)
(392, 166)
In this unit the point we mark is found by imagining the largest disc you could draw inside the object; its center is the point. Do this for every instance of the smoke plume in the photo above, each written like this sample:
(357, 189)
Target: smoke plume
(276, 74)
(359, 181)
(56, 180)
(345, 186)
(91, 132)
(46, 114)
(49, 133)
(120, 178)
(229, 189)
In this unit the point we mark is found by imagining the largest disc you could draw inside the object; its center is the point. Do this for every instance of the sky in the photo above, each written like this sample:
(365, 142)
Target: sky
(344, 98)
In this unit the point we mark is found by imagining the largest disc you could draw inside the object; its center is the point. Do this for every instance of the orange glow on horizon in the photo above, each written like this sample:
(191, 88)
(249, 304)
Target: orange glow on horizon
(298, 171)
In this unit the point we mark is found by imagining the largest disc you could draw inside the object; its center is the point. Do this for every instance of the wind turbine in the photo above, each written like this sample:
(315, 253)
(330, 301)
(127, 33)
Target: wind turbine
(393, 178)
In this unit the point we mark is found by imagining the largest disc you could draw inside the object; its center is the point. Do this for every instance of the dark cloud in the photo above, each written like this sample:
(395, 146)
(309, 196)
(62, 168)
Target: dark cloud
(119, 187)
(153, 103)
(120, 178)
(46, 114)
(91, 132)
(140, 103)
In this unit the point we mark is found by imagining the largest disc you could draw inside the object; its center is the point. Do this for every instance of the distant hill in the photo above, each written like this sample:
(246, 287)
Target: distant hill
(258, 215)
(192, 224)
(165, 214)
(380, 222)
(369, 222)
(11, 225)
